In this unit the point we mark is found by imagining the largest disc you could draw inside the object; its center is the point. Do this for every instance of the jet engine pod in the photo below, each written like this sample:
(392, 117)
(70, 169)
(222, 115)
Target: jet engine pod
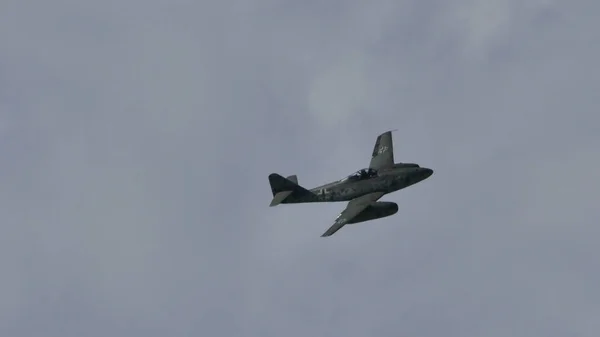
(376, 210)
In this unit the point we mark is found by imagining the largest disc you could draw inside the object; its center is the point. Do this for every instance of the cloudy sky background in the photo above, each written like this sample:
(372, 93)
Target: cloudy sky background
(137, 137)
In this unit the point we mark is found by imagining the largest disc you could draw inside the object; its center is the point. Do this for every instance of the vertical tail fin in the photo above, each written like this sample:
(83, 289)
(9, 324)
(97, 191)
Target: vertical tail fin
(282, 188)
(281, 184)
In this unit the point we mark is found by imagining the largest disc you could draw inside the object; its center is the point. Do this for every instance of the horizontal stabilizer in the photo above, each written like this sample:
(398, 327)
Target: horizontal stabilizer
(279, 197)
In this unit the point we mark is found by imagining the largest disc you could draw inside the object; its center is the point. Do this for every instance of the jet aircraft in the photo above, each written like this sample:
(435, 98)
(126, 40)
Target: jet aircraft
(361, 189)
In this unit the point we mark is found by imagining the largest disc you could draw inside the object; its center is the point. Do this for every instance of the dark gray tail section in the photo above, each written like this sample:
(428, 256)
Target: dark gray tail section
(287, 188)
(281, 184)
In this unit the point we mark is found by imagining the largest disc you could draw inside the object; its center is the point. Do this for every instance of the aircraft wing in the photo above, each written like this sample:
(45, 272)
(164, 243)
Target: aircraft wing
(383, 152)
(354, 208)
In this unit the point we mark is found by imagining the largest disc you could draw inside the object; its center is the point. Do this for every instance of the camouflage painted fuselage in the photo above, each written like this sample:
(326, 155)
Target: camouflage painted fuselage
(387, 181)
(361, 190)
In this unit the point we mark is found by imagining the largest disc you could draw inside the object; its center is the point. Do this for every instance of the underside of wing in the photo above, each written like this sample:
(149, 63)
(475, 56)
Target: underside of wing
(383, 152)
(353, 209)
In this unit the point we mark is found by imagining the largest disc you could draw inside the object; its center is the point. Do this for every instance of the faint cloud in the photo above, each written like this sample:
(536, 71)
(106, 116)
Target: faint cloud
(481, 25)
(337, 92)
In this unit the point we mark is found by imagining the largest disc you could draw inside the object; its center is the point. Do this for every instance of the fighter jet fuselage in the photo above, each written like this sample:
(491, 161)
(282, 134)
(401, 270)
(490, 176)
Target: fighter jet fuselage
(387, 182)
(362, 189)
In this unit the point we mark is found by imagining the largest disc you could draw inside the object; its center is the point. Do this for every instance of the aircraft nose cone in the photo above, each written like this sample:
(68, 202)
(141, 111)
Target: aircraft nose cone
(427, 172)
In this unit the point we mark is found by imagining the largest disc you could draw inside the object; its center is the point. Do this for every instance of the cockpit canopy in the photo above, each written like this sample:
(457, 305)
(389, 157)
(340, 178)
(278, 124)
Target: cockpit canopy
(405, 165)
(361, 175)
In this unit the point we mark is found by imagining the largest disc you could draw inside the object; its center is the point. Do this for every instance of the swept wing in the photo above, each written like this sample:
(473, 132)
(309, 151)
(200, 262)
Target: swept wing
(353, 209)
(383, 152)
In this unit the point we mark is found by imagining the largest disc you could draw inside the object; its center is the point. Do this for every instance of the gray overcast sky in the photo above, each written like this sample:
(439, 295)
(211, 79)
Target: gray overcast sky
(137, 137)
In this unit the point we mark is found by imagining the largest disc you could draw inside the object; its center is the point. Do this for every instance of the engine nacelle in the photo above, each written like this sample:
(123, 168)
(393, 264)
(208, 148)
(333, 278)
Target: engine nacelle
(376, 210)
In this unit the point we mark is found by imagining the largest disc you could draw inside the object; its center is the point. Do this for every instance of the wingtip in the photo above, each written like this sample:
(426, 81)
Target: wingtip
(386, 132)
